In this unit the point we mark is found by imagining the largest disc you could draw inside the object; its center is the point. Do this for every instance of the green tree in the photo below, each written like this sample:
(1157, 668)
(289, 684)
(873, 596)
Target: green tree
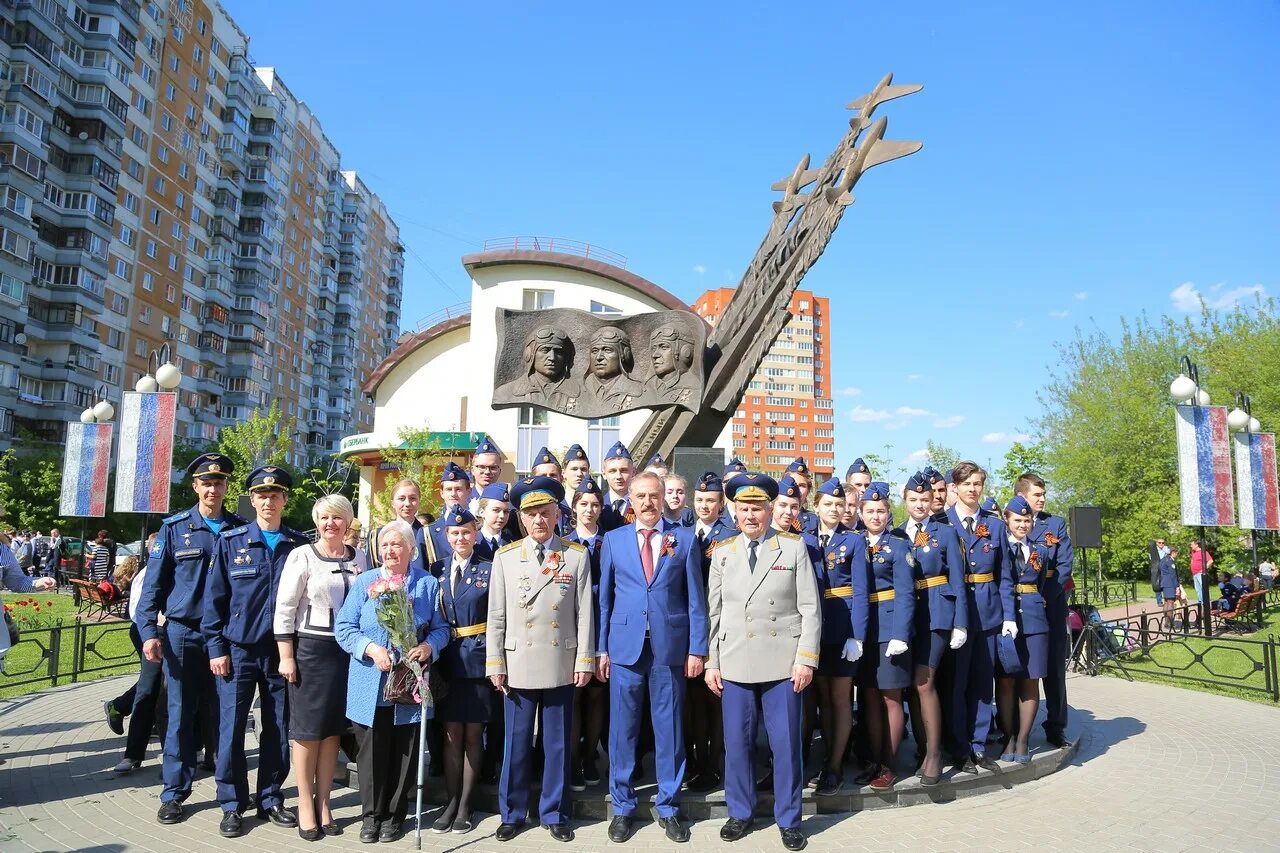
(323, 475)
(1018, 460)
(941, 457)
(31, 486)
(265, 438)
(419, 458)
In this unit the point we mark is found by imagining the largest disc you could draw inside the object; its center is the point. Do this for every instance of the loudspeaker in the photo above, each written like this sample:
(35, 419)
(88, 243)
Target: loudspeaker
(1086, 527)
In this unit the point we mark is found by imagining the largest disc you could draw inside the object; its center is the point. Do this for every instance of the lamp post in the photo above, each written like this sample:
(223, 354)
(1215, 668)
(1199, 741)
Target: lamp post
(1241, 419)
(162, 374)
(1185, 389)
(100, 412)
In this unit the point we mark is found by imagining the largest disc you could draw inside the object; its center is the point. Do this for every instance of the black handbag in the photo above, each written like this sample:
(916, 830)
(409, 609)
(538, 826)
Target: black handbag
(400, 685)
(14, 633)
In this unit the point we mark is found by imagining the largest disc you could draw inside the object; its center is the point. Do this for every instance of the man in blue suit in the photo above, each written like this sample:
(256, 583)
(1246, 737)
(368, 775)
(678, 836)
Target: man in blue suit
(653, 635)
(455, 491)
(1049, 532)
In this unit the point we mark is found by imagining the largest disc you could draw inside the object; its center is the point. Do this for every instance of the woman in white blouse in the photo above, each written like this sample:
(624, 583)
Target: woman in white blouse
(313, 586)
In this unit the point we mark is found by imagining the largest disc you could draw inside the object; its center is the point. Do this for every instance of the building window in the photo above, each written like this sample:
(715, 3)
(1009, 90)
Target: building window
(533, 432)
(606, 310)
(536, 300)
(601, 435)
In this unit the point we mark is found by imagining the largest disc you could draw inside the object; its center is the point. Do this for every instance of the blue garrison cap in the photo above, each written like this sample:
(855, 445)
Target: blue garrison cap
(1018, 506)
(788, 487)
(618, 451)
(832, 487)
(710, 482)
(858, 467)
(656, 461)
(989, 505)
(735, 466)
(877, 491)
(544, 457)
(452, 472)
(575, 453)
(496, 492)
(487, 445)
(799, 466)
(918, 482)
(589, 486)
(457, 516)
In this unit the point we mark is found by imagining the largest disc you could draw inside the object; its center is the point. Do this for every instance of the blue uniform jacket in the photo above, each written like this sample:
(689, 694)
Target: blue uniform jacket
(611, 519)
(464, 657)
(244, 576)
(484, 551)
(176, 570)
(1030, 607)
(984, 555)
(844, 614)
(1168, 577)
(718, 531)
(593, 556)
(357, 626)
(940, 556)
(673, 608)
(1049, 532)
(688, 518)
(809, 522)
(889, 569)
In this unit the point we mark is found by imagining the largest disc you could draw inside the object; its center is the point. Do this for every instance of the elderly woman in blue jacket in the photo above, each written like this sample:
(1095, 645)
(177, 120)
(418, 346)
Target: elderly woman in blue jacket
(387, 734)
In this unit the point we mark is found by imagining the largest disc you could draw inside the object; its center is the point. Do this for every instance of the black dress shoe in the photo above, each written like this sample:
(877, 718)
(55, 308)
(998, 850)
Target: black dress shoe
(231, 826)
(734, 829)
(1056, 740)
(620, 828)
(278, 815)
(170, 813)
(369, 830)
(390, 831)
(793, 839)
(331, 828)
(985, 762)
(967, 766)
(115, 720)
(676, 831)
(868, 773)
(561, 831)
(314, 834)
(508, 831)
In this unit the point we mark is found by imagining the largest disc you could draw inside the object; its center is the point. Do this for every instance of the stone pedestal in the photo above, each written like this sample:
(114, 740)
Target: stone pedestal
(692, 462)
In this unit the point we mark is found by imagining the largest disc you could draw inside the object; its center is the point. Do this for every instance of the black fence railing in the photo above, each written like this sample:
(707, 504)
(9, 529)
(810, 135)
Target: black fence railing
(63, 654)
(1107, 593)
(1172, 645)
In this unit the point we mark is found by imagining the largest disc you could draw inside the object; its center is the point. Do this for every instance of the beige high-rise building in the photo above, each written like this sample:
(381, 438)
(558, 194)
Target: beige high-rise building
(160, 188)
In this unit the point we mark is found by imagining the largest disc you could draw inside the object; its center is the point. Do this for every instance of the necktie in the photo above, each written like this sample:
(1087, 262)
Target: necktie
(702, 540)
(823, 540)
(617, 506)
(493, 545)
(457, 580)
(540, 552)
(968, 525)
(751, 555)
(646, 554)
(914, 531)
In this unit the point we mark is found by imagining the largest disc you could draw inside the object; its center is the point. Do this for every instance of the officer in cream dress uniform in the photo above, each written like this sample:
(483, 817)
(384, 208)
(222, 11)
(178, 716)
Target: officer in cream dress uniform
(540, 645)
(765, 628)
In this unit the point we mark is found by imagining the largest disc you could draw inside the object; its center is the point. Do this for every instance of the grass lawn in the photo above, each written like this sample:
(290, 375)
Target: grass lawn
(106, 646)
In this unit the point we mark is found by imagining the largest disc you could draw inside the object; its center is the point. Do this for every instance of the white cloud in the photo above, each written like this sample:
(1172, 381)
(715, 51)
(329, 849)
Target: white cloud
(699, 269)
(863, 415)
(1081, 295)
(1186, 297)
(948, 422)
(918, 456)
(1060, 315)
(1004, 437)
(914, 377)
(849, 391)
(911, 412)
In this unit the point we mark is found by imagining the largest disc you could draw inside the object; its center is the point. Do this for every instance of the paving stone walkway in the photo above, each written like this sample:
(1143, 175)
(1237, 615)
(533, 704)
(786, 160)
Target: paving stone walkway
(1158, 768)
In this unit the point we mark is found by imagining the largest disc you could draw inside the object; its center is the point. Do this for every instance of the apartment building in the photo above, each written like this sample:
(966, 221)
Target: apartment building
(161, 189)
(786, 411)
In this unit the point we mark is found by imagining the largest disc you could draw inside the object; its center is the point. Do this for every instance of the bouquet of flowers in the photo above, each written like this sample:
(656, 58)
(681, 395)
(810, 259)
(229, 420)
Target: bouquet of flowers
(407, 680)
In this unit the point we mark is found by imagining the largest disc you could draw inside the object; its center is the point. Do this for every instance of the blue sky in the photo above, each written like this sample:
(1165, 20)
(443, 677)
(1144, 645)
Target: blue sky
(1082, 162)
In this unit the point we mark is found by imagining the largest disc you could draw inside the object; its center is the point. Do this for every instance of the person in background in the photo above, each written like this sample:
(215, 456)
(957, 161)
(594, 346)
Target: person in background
(1267, 573)
(486, 466)
(52, 565)
(1026, 622)
(800, 474)
(455, 491)
(1200, 560)
(102, 557)
(387, 760)
(493, 511)
(1229, 592)
(591, 703)
(406, 498)
(313, 587)
(675, 491)
(139, 701)
(1167, 581)
(14, 579)
(576, 466)
(618, 471)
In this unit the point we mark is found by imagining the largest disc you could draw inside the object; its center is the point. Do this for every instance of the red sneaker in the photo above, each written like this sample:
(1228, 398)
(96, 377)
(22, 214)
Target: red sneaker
(884, 781)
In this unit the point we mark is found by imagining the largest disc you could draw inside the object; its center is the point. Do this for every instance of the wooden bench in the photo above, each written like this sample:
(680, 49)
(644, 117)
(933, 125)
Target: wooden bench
(93, 603)
(1247, 615)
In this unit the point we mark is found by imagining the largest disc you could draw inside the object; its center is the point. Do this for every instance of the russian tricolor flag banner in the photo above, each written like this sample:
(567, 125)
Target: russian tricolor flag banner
(146, 451)
(1204, 466)
(84, 470)
(1256, 480)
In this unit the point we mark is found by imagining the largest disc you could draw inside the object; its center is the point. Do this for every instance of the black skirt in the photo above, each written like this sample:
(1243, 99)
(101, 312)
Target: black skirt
(318, 701)
(469, 700)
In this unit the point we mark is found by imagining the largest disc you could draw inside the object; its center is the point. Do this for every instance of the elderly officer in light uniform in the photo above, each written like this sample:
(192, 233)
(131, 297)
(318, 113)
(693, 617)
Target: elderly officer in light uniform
(539, 637)
(766, 625)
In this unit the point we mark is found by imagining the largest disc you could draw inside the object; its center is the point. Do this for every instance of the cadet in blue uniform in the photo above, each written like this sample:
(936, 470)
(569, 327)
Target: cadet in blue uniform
(590, 703)
(939, 582)
(576, 467)
(1026, 621)
(889, 590)
(843, 557)
(176, 570)
(985, 543)
(406, 497)
(856, 480)
(469, 704)
(990, 505)
(492, 512)
(545, 464)
(239, 606)
(798, 470)
(658, 465)
(486, 467)
(455, 491)
(618, 470)
(1049, 533)
(733, 469)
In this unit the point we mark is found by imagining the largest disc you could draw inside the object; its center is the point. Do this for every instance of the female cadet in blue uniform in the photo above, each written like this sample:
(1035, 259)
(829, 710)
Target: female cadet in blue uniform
(843, 557)
(889, 591)
(939, 579)
(591, 703)
(1026, 620)
(492, 512)
(239, 610)
(471, 699)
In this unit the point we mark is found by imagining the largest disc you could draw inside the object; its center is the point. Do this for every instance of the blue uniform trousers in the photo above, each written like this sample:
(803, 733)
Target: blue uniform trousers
(520, 707)
(972, 688)
(191, 694)
(665, 686)
(1055, 683)
(253, 668)
(783, 710)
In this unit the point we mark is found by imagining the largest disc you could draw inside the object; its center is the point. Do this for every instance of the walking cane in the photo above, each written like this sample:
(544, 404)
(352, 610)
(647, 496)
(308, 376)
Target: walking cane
(422, 756)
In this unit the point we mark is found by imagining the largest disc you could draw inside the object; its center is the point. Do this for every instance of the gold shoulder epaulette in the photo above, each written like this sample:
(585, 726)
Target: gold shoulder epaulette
(788, 535)
(716, 544)
(577, 546)
(508, 547)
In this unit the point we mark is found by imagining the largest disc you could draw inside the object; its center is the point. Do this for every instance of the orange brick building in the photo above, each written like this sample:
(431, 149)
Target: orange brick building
(786, 411)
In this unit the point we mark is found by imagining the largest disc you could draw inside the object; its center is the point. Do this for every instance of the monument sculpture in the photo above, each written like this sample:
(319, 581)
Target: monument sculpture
(692, 383)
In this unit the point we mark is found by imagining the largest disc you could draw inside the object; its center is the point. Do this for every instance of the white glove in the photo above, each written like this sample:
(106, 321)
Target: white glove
(895, 647)
(1009, 629)
(958, 636)
(852, 650)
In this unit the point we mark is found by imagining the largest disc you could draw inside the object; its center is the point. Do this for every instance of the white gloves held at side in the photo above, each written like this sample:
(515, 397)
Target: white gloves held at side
(852, 650)
(958, 637)
(1009, 629)
(894, 648)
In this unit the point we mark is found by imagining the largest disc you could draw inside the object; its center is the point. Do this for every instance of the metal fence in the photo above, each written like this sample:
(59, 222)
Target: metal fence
(64, 654)
(1173, 646)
